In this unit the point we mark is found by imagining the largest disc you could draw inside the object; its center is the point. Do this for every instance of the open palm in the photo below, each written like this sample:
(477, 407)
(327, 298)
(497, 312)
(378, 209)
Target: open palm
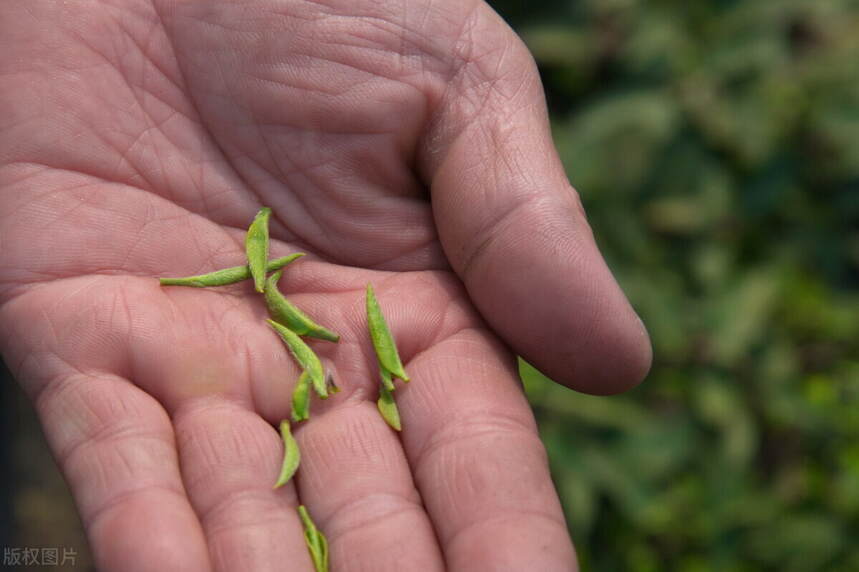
(401, 143)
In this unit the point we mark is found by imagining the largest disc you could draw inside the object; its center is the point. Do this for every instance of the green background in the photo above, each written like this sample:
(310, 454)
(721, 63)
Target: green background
(715, 145)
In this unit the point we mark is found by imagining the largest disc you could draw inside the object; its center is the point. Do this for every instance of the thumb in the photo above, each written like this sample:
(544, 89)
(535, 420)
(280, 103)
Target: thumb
(513, 227)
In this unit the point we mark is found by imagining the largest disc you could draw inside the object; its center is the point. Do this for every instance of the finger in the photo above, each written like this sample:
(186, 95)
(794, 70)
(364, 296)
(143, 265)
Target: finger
(116, 448)
(356, 481)
(512, 226)
(478, 461)
(230, 461)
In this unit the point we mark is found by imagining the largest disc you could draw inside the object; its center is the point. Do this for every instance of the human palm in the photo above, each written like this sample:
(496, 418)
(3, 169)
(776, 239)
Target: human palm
(399, 143)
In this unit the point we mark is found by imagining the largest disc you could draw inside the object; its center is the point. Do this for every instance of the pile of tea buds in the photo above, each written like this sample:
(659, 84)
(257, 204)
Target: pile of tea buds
(291, 323)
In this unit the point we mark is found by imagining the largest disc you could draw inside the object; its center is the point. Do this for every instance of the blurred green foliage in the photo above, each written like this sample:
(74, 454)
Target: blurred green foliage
(715, 145)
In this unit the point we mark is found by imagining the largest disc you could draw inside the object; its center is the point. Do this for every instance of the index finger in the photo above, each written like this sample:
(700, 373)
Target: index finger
(478, 462)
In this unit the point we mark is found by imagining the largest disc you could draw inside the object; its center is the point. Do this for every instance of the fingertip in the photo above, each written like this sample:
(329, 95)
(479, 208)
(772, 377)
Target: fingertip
(616, 360)
(543, 286)
(630, 360)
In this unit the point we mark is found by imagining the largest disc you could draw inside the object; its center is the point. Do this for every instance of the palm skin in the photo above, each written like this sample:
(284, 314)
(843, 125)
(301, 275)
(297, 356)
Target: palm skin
(138, 139)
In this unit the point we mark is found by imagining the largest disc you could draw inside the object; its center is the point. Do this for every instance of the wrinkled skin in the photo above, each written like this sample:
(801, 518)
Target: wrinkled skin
(403, 143)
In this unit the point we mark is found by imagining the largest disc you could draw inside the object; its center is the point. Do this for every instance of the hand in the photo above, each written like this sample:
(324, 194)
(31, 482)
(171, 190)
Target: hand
(138, 138)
